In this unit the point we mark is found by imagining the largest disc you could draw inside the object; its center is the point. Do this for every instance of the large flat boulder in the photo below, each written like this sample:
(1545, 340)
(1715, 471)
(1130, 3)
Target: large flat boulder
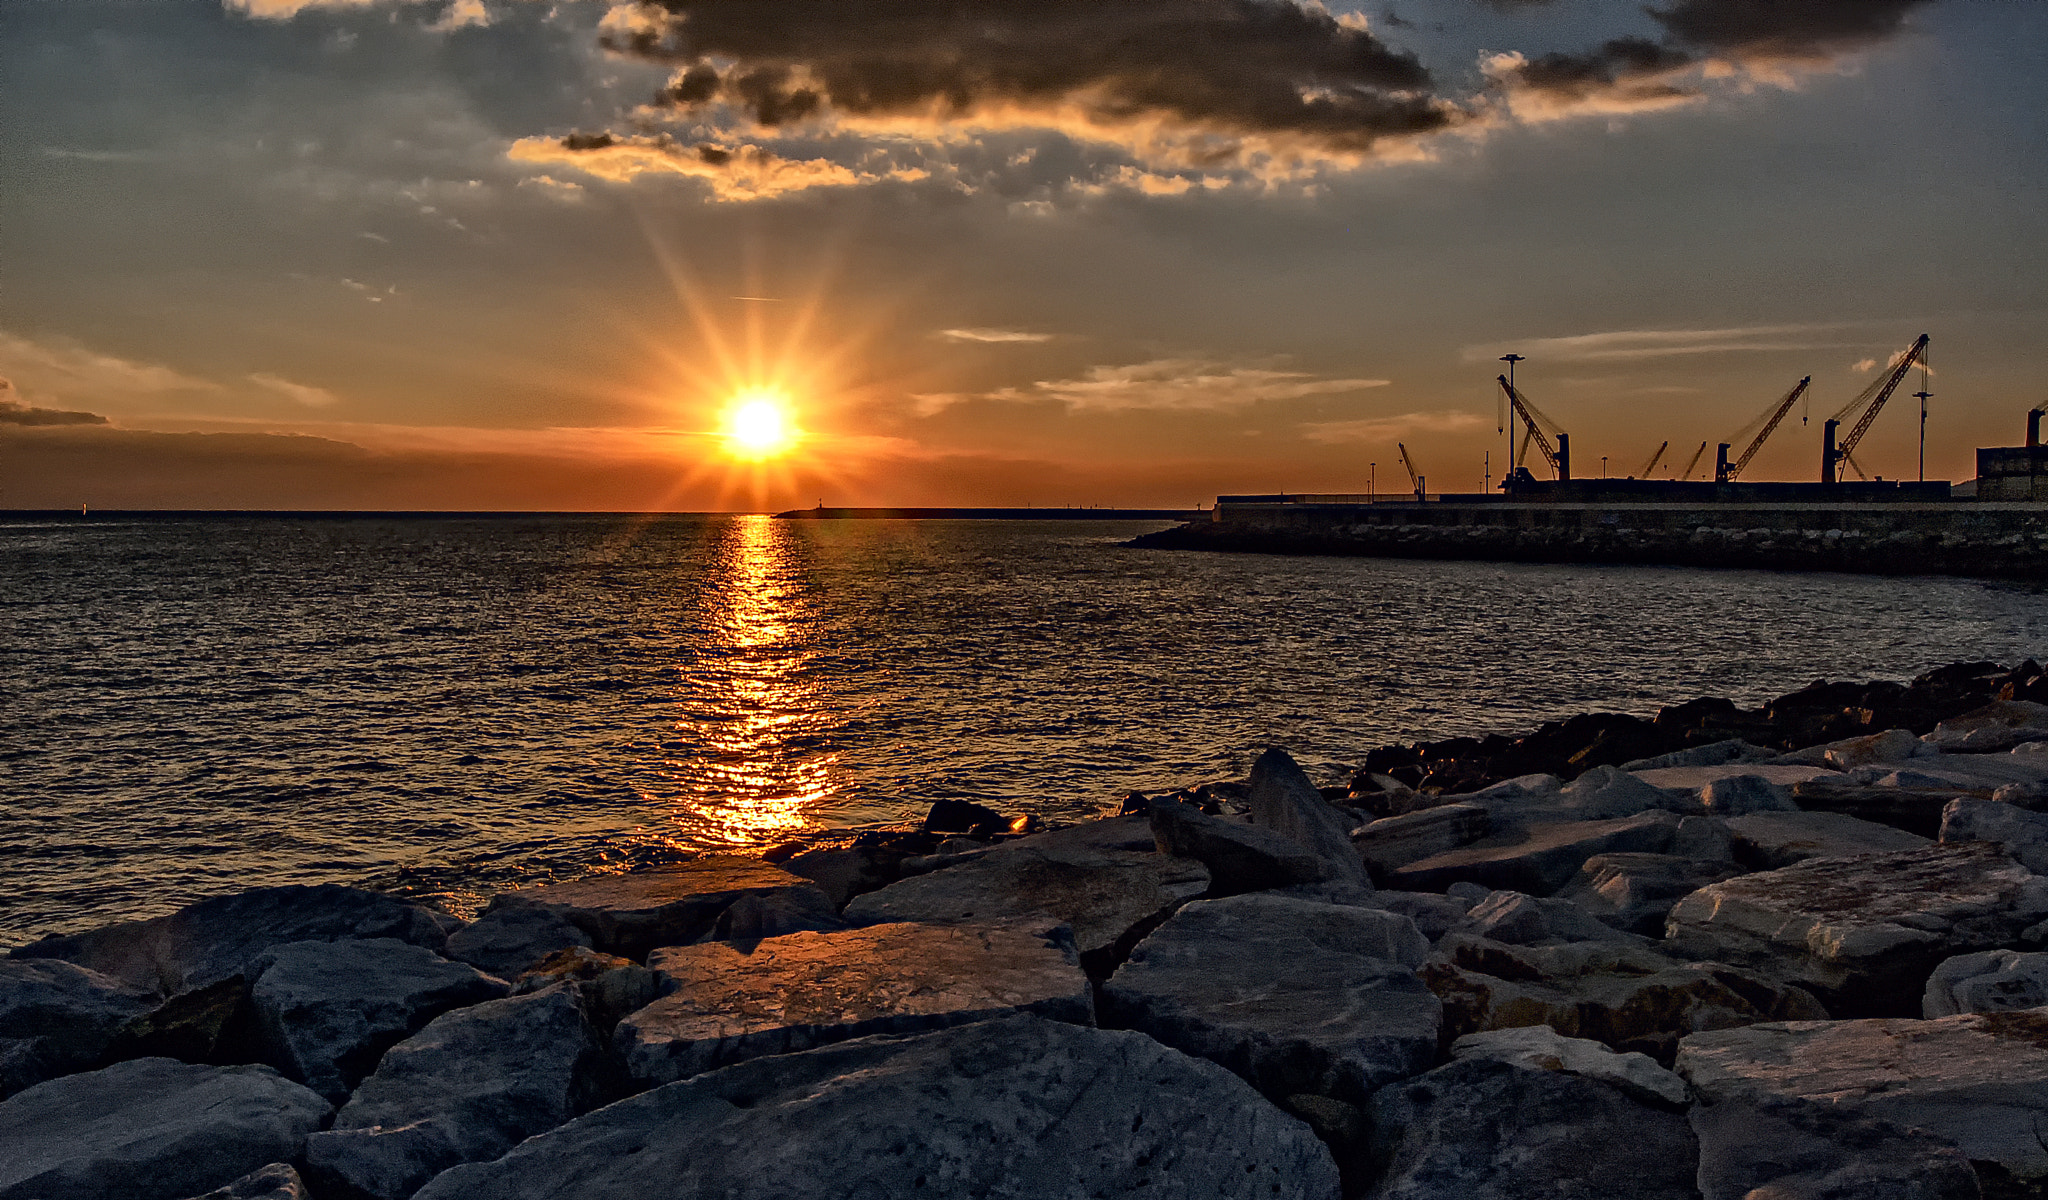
(1540, 858)
(713, 897)
(1018, 1107)
(1240, 857)
(150, 1129)
(1293, 995)
(1786, 1148)
(1107, 897)
(1697, 778)
(1768, 840)
(511, 937)
(1636, 892)
(217, 939)
(1863, 933)
(329, 1010)
(470, 1086)
(1539, 1047)
(1482, 1129)
(1997, 726)
(57, 1017)
(1286, 802)
(1978, 1082)
(728, 1003)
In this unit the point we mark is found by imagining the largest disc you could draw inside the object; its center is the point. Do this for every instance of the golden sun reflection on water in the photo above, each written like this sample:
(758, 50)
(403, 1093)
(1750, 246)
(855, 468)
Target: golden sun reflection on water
(755, 716)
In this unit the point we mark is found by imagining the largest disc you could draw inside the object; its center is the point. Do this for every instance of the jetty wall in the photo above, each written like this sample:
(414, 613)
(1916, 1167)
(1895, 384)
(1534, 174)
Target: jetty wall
(1957, 537)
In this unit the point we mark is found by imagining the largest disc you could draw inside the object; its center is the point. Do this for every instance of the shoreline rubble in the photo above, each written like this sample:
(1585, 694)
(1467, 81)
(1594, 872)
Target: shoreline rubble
(1718, 954)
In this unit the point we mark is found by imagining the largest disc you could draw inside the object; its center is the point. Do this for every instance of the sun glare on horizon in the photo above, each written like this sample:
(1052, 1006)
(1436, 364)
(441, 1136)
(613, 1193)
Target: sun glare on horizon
(758, 425)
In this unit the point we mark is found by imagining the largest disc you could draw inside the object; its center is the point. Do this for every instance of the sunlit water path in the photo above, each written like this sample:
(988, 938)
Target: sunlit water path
(451, 706)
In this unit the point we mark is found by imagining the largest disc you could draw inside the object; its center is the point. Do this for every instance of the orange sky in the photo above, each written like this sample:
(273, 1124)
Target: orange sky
(408, 254)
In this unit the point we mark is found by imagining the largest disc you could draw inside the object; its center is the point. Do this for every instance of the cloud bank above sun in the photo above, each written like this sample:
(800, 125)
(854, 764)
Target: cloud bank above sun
(1158, 97)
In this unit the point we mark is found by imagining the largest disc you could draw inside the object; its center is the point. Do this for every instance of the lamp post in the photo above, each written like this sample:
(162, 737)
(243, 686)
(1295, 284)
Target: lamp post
(1372, 483)
(1603, 466)
(1923, 394)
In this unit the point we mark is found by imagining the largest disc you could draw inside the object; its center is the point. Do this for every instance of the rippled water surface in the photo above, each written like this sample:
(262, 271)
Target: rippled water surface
(450, 706)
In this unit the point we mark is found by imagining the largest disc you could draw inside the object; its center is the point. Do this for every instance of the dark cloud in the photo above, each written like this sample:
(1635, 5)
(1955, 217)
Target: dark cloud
(1229, 67)
(16, 412)
(1785, 28)
(1619, 61)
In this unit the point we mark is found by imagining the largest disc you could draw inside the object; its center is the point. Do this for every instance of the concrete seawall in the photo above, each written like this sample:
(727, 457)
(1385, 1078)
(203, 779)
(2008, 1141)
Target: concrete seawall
(1950, 538)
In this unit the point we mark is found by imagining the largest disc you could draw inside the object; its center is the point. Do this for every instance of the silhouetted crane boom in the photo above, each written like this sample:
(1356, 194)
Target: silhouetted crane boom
(1878, 391)
(1414, 478)
(1696, 456)
(1777, 415)
(1559, 456)
(1654, 460)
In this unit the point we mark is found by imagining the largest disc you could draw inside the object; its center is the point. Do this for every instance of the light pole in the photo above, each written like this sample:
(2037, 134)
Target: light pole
(1923, 394)
(1603, 466)
(1486, 474)
(1372, 483)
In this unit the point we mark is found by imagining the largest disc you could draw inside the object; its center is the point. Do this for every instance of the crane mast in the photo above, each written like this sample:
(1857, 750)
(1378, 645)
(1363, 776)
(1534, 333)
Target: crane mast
(1559, 456)
(1413, 477)
(1730, 471)
(1879, 391)
(1694, 461)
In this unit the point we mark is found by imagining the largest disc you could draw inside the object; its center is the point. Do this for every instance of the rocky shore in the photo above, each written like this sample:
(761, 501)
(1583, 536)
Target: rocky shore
(1798, 951)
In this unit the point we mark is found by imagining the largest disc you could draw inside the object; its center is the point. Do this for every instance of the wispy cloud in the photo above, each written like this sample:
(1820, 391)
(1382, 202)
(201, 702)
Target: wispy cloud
(991, 335)
(297, 393)
(62, 369)
(1381, 429)
(18, 412)
(1661, 343)
(1161, 385)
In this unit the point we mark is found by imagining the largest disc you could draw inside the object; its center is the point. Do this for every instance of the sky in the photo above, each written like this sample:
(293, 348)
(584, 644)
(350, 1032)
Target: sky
(531, 254)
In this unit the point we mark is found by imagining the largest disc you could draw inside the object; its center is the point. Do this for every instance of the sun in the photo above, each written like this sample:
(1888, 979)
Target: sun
(758, 426)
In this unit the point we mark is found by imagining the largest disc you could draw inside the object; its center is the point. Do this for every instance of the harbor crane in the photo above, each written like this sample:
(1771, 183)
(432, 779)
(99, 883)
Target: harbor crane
(1878, 391)
(1727, 472)
(1413, 476)
(1694, 461)
(1559, 456)
(1654, 460)
(2034, 424)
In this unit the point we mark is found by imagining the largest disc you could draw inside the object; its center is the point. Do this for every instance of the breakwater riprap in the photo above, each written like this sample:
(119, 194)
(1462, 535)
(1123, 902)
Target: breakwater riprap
(1956, 537)
(1794, 950)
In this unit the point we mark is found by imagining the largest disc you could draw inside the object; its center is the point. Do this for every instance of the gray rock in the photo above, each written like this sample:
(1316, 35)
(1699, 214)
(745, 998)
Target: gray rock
(803, 990)
(1864, 933)
(1784, 1148)
(1523, 792)
(1107, 897)
(1622, 993)
(1636, 892)
(1392, 842)
(1997, 727)
(1979, 1082)
(2022, 834)
(1284, 801)
(1294, 996)
(470, 1086)
(57, 1017)
(215, 940)
(1892, 745)
(1539, 859)
(609, 986)
(1740, 795)
(1987, 981)
(278, 1181)
(1541, 1048)
(1018, 1107)
(1767, 841)
(1713, 754)
(1434, 916)
(1606, 793)
(1703, 840)
(1522, 920)
(1240, 857)
(329, 1010)
(1107, 833)
(150, 1129)
(509, 938)
(679, 904)
(1480, 1129)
